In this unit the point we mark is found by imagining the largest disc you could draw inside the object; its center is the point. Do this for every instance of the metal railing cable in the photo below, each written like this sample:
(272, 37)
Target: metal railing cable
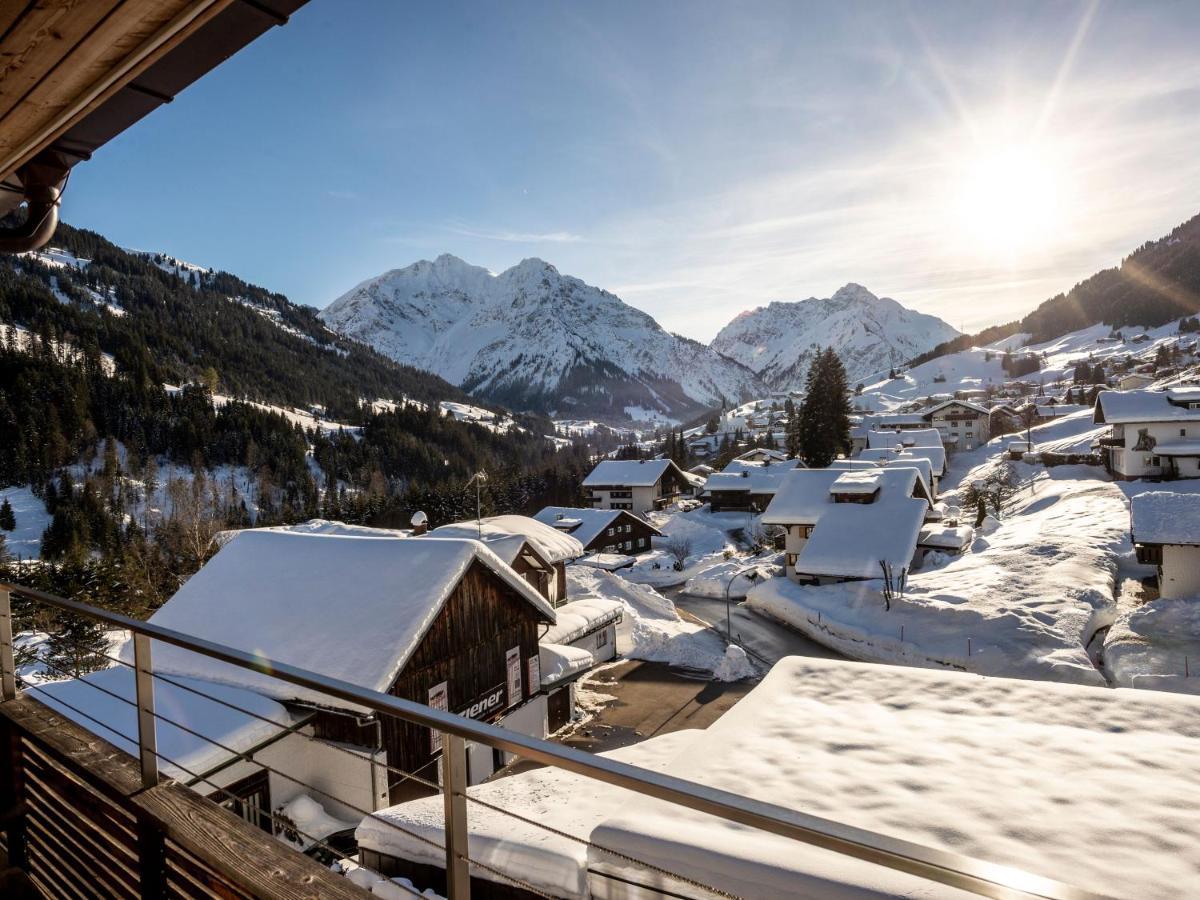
(283, 822)
(405, 775)
(248, 757)
(603, 849)
(934, 864)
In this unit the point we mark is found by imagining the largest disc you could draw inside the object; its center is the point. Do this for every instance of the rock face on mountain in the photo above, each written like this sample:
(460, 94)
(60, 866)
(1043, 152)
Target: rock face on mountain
(532, 338)
(869, 333)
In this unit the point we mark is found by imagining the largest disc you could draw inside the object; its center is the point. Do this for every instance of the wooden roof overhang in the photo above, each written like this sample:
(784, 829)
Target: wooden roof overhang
(76, 73)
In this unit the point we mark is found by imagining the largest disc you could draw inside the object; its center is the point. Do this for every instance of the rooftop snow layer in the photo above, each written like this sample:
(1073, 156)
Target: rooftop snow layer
(581, 617)
(1128, 407)
(946, 537)
(850, 539)
(562, 800)
(553, 544)
(631, 472)
(1165, 517)
(116, 720)
(348, 607)
(912, 437)
(1083, 785)
(558, 662)
(863, 482)
(592, 522)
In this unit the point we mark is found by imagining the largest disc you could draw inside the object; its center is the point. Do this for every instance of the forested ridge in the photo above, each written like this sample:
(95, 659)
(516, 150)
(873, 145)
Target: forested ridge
(1157, 283)
(139, 478)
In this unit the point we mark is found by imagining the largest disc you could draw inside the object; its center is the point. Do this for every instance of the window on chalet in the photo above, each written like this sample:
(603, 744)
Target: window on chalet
(601, 638)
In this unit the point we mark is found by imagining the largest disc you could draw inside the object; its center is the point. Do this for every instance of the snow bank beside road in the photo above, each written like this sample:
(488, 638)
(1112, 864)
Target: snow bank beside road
(1156, 646)
(651, 628)
(1024, 603)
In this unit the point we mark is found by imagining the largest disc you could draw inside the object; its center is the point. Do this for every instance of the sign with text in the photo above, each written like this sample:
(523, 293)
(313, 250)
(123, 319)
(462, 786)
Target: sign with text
(484, 705)
(513, 662)
(439, 698)
(534, 665)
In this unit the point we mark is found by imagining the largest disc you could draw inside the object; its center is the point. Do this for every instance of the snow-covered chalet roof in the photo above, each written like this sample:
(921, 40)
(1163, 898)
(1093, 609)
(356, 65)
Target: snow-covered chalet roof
(966, 404)
(1130, 407)
(754, 477)
(348, 607)
(885, 419)
(850, 539)
(506, 534)
(581, 617)
(921, 463)
(935, 455)
(630, 472)
(116, 721)
(857, 483)
(1165, 517)
(585, 525)
(913, 437)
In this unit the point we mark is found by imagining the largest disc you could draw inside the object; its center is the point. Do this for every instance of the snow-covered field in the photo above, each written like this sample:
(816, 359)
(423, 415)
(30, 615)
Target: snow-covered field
(25, 541)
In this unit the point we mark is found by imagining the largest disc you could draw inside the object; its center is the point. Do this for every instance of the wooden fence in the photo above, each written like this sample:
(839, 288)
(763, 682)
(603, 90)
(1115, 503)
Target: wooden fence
(82, 826)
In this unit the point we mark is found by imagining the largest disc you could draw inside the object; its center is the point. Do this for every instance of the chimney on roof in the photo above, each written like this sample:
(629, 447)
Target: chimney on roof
(558, 517)
(420, 523)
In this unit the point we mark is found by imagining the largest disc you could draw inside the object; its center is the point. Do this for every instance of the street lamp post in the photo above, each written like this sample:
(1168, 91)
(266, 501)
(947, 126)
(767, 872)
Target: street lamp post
(478, 479)
(751, 573)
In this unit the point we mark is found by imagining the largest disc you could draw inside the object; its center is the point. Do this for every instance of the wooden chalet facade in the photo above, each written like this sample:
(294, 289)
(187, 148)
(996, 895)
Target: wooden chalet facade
(466, 650)
(602, 530)
(536, 551)
(438, 621)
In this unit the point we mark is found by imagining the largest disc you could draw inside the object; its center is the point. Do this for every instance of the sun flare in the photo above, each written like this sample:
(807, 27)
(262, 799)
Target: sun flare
(1009, 200)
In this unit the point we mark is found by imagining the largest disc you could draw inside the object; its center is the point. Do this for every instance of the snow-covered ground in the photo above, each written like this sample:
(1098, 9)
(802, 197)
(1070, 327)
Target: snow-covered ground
(652, 628)
(25, 541)
(1023, 602)
(979, 368)
(1085, 786)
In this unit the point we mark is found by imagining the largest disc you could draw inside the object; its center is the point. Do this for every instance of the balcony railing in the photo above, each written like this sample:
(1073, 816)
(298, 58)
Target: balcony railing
(167, 828)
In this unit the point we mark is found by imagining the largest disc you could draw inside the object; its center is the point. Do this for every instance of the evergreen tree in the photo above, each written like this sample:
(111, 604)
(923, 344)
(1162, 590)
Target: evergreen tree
(8, 521)
(825, 414)
(77, 647)
(791, 435)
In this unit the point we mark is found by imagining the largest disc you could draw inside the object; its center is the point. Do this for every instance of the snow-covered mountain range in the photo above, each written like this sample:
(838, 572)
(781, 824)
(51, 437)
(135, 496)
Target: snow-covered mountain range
(869, 333)
(532, 338)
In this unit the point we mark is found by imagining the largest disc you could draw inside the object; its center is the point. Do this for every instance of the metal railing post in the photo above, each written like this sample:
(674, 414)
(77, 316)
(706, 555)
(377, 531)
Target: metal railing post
(8, 665)
(144, 683)
(454, 790)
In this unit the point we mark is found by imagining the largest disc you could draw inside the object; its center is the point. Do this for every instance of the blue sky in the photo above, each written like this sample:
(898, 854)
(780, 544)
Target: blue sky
(698, 159)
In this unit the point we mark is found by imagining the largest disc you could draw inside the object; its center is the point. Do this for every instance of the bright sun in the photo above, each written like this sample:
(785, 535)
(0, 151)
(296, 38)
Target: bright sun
(1009, 201)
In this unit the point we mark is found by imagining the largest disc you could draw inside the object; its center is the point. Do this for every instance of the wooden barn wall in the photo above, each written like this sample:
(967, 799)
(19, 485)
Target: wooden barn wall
(465, 647)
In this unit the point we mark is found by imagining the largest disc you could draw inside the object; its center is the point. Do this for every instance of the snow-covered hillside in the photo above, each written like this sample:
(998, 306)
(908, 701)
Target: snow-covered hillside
(869, 333)
(980, 368)
(533, 338)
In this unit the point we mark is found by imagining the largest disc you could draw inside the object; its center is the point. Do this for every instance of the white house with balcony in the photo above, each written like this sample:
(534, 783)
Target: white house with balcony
(1165, 527)
(962, 423)
(638, 485)
(1154, 434)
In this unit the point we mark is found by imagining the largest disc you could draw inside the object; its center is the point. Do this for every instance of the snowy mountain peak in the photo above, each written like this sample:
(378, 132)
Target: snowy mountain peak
(869, 333)
(533, 338)
(853, 292)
